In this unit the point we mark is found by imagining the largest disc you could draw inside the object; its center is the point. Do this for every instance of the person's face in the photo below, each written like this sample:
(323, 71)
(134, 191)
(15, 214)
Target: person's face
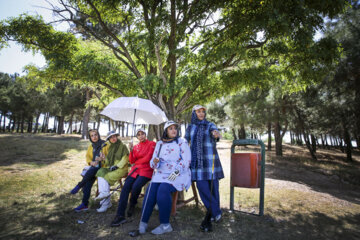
(141, 136)
(94, 136)
(113, 138)
(200, 113)
(172, 131)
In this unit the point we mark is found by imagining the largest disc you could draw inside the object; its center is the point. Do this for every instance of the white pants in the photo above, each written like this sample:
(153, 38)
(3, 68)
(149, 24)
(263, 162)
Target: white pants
(104, 187)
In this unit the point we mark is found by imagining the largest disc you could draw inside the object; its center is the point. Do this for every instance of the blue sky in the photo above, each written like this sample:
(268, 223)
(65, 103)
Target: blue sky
(13, 59)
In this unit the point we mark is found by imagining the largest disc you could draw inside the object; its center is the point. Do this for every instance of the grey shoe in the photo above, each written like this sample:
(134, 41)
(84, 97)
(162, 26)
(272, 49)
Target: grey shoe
(162, 228)
(217, 218)
(142, 227)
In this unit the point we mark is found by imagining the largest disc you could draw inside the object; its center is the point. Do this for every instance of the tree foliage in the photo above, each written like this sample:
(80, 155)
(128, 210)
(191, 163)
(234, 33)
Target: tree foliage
(178, 53)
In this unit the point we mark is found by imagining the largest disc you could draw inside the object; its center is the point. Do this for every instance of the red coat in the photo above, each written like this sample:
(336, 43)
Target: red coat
(140, 156)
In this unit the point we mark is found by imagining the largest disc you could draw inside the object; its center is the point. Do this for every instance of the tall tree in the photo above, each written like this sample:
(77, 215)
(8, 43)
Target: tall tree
(209, 47)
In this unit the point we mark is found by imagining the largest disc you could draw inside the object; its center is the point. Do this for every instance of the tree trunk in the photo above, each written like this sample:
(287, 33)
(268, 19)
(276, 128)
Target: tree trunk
(29, 129)
(117, 129)
(322, 141)
(326, 142)
(357, 137)
(37, 122)
(1, 117)
(80, 127)
(76, 129)
(341, 145)
(347, 141)
(109, 126)
(299, 141)
(309, 145)
(269, 137)
(60, 128)
(123, 129)
(11, 120)
(14, 123)
(306, 136)
(313, 142)
(55, 124)
(332, 142)
(98, 123)
(85, 123)
(45, 123)
(292, 140)
(127, 129)
(18, 125)
(278, 139)
(69, 130)
(22, 124)
(234, 133)
(84, 132)
(151, 132)
(242, 133)
(4, 123)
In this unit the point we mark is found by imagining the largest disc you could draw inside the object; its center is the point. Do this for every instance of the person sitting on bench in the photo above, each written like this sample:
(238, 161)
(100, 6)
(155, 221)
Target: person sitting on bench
(171, 163)
(140, 174)
(94, 156)
(115, 167)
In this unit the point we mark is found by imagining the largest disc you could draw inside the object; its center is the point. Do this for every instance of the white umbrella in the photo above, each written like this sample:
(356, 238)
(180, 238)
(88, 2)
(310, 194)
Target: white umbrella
(134, 110)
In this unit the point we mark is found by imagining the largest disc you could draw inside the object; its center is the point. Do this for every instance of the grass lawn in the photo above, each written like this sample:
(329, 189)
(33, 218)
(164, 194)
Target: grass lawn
(303, 199)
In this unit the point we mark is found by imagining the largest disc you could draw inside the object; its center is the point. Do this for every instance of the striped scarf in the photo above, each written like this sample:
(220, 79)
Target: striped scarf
(197, 151)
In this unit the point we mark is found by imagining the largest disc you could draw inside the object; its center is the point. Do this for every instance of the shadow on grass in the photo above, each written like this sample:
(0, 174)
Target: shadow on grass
(37, 150)
(51, 217)
(311, 177)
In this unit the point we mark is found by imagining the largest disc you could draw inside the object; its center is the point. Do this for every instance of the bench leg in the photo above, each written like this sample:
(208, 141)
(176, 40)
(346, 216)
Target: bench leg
(195, 193)
(174, 203)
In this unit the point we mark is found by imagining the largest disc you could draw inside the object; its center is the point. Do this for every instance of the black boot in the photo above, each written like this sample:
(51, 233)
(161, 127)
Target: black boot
(118, 220)
(206, 225)
(130, 211)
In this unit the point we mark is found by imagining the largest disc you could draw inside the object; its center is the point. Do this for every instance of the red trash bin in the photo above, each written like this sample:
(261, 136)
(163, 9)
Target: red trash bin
(245, 170)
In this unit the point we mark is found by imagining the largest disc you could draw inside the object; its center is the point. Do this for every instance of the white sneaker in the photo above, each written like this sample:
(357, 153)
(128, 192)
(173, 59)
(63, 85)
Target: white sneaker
(102, 195)
(103, 208)
(162, 228)
(142, 227)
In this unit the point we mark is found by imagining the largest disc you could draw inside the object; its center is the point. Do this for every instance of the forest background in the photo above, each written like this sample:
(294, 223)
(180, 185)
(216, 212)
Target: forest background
(256, 64)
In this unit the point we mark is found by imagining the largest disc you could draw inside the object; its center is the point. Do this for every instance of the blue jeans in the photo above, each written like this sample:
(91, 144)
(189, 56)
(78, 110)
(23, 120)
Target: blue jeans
(87, 182)
(204, 188)
(133, 185)
(159, 193)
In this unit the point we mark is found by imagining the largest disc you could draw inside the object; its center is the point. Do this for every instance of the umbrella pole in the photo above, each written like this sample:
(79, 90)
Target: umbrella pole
(132, 138)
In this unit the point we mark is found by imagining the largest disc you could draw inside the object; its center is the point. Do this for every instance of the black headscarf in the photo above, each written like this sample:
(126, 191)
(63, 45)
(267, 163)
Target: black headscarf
(97, 146)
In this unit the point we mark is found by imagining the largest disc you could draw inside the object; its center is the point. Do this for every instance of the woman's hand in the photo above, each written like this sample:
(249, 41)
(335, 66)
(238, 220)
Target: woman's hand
(216, 134)
(156, 161)
(94, 163)
(131, 146)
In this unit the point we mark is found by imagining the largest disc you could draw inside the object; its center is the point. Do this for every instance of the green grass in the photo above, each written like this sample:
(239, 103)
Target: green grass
(303, 200)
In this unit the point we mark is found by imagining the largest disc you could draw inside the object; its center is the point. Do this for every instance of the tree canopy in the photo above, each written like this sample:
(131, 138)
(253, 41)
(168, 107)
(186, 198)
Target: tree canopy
(179, 53)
